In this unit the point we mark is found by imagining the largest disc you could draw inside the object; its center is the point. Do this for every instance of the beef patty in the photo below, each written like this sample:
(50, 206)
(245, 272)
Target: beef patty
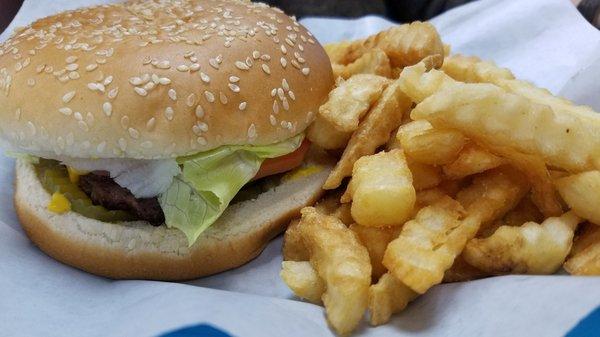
(104, 191)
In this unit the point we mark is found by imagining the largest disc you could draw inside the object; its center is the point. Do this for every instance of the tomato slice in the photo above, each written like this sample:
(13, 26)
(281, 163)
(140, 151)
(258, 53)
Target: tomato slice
(284, 163)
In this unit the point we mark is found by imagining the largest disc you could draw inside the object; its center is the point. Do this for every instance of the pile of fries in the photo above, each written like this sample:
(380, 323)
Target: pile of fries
(457, 171)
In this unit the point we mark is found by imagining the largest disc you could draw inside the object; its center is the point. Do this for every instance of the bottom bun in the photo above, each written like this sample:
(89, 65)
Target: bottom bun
(137, 250)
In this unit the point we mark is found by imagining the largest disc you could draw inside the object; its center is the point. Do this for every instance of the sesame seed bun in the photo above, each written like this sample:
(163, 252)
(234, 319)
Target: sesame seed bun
(148, 80)
(137, 250)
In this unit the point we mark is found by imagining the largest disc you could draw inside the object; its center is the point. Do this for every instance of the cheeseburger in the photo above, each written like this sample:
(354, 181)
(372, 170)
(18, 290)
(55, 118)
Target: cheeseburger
(162, 139)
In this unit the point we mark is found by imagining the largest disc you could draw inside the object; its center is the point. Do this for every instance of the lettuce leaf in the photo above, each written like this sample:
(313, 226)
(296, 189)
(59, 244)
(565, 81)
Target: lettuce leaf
(209, 181)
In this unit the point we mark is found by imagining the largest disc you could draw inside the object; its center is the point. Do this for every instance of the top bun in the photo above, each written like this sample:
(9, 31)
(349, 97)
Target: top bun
(159, 79)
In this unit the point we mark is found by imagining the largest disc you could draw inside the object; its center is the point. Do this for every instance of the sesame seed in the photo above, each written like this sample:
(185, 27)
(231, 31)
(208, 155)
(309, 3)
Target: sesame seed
(155, 78)
(249, 62)
(285, 85)
(172, 94)
(40, 68)
(169, 113)
(265, 57)
(286, 105)
(199, 111)
(107, 108)
(196, 129)
(209, 96)
(242, 106)
(234, 87)
(30, 82)
(213, 63)
(108, 80)
(252, 131)
(165, 81)
(241, 65)
(280, 93)
(275, 107)
(195, 67)
(233, 79)
(255, 54)
(289, 42)
(306, 71)
(292, 96)
(191, 100)
(283, 62)
(201, 140)
(140, 91)
(100, 60)
(149, 86)
(203, 126)
(283, 49)
(150, 124)
(135, 80)
(205, 78)
(273, 120)
(273, 92)
(113, 93)
(74, 75)
(163, 65)
(182, 68)
(266, 69)
(78, 116)
(65, 111)
(133, 133)
(125, 122)
(146, 61)
(72, 67)
(71, 59)
(295, 64)
(222, 97)
(68, 96)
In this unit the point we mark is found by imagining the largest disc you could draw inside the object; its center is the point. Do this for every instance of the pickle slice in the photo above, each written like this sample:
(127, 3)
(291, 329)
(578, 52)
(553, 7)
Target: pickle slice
(55, 178)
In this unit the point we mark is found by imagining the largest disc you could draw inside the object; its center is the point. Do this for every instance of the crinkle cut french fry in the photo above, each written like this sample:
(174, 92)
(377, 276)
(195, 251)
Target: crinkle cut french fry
(529, 249)
(584, 258)
(582, 193)
(491, 115)
(387, 297)
(303, 280)
(342, 263)
(524, 211)
(424, 176)
(462, 271)
(324, 134)
(472, 159)
(418, 83)
(472, 69)
(533, 167)
(427, 145)
(405, 44)
(293, 246)
(384, 117)
(338, 51)
(376, 241)
(373, 62)
(429, 244)
(351, 99)
(381, 190)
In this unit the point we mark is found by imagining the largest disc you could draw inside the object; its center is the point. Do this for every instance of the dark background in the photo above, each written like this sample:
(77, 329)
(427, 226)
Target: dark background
(397, 10)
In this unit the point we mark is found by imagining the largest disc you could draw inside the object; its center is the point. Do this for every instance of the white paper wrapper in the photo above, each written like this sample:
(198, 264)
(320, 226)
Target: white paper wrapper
(544, 41)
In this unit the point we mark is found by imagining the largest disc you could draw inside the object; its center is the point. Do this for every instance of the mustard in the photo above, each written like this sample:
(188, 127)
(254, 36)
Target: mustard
(74, 174)
(59, 203)
(302, 172)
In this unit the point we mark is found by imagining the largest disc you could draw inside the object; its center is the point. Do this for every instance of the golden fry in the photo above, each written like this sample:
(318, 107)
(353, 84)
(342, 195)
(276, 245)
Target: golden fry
(351, 100)
(424, 144)
(338, 51)
(584, 258)
(374, 131)
(387, 297)
(525, 211)
(424, 176)
(373, 62)
(582, 193)
(303, 280)
(462, 271)
(342, 263)
(419, 83)
(529, 249)
(491, 115)
(293, 245)
(381, 190)
(324, 134)
(474, 70)
(405, 45)
(472, 159)
(376, 241)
